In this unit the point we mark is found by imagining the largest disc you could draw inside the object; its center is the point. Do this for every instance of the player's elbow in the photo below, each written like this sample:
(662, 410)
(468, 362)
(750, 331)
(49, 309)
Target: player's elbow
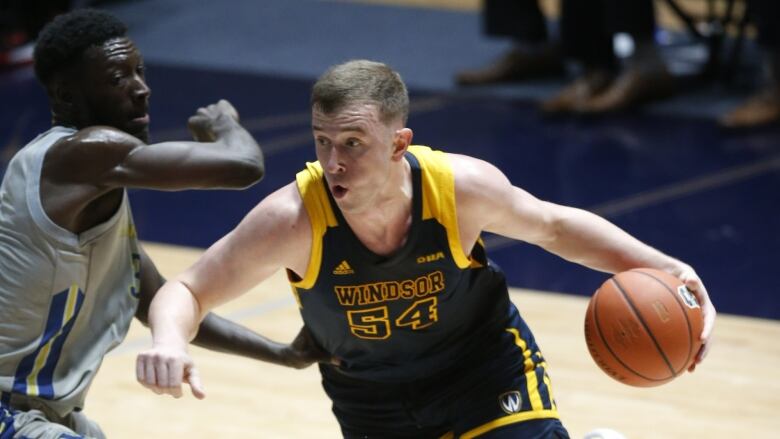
(551, 226)
(244, 173)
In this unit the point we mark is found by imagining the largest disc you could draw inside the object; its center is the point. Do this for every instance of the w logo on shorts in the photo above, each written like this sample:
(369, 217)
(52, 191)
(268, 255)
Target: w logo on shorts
(510, 402)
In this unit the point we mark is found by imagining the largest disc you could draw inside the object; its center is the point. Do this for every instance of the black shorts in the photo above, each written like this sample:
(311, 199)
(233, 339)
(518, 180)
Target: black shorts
(503, 391)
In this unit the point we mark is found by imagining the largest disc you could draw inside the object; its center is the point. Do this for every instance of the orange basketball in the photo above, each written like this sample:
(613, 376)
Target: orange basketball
(643, 326)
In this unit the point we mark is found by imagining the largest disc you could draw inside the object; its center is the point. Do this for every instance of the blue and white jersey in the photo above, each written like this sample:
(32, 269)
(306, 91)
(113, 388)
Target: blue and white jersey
(65, 299)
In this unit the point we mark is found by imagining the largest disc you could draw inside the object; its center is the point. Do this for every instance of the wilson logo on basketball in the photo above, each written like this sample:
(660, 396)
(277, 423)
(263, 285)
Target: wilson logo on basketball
(510, 402)
(343, 268)
(687, 296)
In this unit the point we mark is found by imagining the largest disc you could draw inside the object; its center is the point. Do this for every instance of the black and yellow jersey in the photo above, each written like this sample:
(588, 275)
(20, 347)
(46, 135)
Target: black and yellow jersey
(405, 316)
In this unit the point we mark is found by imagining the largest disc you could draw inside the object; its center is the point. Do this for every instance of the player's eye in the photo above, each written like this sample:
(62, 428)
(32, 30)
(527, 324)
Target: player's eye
(353, 143)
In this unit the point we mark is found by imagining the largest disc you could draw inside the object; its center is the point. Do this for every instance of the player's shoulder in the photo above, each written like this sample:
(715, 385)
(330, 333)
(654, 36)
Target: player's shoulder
(102, 134)
(100, 146)
(94, 140)
(284, 205)
(468, 170)
(279, 217)
(478, 183)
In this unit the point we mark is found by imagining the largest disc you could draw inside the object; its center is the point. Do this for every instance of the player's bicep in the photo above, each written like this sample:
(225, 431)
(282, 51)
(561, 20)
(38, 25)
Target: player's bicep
(266, 240)
(227, 269)
(117, 159)
(196, 165)
(150, 282)
(488, 201)
(522, 216)
(102, 148)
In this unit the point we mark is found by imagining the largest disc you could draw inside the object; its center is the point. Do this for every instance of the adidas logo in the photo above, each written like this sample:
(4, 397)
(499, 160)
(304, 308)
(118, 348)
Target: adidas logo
(343, 268)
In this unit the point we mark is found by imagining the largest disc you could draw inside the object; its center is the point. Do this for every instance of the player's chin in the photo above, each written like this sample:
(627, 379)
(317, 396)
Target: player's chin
(139, 129)
(142, 134)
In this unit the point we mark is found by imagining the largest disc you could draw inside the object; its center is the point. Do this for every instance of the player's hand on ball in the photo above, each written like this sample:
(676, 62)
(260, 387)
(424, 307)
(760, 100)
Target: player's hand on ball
(208, 121)
(164, 370)
(695, 285)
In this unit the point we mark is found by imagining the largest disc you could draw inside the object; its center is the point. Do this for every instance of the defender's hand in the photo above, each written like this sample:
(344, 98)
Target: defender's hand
(164, 370)
(207, 121)
(304, 351)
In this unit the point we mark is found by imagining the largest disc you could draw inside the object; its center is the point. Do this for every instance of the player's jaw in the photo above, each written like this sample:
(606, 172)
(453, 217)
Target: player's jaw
(138, 124)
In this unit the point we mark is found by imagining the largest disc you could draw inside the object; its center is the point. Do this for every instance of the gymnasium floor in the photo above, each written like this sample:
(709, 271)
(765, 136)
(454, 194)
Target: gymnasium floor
(666, 174)
(735, 394)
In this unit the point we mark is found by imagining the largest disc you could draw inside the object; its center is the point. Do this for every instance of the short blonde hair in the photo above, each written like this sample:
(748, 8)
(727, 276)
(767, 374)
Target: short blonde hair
(362, 81)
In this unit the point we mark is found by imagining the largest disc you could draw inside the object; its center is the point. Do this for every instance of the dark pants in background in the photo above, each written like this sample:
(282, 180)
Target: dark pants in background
(586, 26)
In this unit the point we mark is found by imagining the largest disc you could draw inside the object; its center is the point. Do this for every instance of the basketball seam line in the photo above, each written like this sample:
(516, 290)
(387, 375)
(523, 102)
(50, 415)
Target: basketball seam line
(685, 314)
(644, 324)
(614, 355)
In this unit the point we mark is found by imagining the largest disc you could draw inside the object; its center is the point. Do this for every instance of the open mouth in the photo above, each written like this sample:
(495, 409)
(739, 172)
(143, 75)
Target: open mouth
(339, 191)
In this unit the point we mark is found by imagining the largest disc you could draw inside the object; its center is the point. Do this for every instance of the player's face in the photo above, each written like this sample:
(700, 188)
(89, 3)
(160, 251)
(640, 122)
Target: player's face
(355, 149)
(111, 88)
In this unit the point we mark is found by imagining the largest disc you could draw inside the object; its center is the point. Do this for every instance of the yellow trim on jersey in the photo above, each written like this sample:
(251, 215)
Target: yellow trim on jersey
(530, 372)
(510, 419)
(549, 386)
(448, 435)
(311, 186)
(43, 354)
(438, 188)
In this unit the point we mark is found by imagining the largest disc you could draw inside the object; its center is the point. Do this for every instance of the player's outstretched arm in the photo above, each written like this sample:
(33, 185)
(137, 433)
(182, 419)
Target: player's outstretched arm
(222, 335)
(223, 155)
(276, 234)
(573, 234)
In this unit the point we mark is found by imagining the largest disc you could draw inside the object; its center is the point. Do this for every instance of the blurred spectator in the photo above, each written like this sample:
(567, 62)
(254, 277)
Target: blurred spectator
(763, 107)
(587, 31)
(20, 22)
(532, 55)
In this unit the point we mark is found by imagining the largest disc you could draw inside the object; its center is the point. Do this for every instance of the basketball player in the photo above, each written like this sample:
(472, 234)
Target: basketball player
(72, 274)
(381, 242)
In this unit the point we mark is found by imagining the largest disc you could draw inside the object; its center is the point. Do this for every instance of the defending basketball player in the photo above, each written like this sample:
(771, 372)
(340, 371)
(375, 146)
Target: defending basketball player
(72, 272)
(381, 242)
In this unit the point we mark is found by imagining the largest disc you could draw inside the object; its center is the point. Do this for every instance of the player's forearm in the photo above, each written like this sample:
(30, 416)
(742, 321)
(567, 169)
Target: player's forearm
(219, 334)
(174, 315)
(592, 241)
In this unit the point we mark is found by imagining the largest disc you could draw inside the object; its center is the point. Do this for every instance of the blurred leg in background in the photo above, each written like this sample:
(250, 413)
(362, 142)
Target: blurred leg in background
(764, 106)
(589, 31)
(533, 54)
(585, 39)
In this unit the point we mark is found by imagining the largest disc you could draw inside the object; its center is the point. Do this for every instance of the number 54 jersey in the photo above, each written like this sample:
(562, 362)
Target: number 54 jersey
(405, 316)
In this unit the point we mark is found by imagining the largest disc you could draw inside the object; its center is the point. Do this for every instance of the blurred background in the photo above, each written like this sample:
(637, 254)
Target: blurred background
(666, 164)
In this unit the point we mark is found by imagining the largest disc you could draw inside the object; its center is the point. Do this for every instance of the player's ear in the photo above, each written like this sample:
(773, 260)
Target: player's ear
(60, 92)
(401, 141)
